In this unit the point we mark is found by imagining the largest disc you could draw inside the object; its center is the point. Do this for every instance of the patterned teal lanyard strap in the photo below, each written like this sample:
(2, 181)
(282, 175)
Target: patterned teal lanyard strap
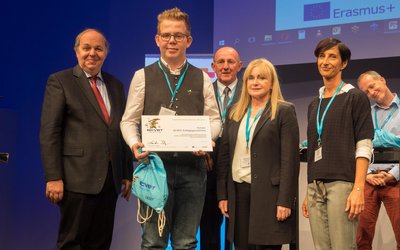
(173, 93)
(386, 120)
(248, 128)
(320, 124)
(223, 112)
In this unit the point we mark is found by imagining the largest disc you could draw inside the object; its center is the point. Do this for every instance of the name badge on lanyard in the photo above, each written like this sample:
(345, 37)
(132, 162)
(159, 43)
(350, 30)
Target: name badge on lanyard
(166, 111)
(320, 124)
(318, 154)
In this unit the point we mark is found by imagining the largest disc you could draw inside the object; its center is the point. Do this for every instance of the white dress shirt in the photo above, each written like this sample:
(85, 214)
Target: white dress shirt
(101, 86)
(134, 107)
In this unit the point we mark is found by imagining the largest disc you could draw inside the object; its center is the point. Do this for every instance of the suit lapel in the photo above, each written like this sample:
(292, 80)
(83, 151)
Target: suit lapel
(238, 91)
(264, 118)
(233, 133)
(235, 125)
(215, 85)
(84, 85)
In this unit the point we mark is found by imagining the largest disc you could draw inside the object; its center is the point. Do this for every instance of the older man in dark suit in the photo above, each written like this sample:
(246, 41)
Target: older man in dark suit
(227, 88)
(85, 158)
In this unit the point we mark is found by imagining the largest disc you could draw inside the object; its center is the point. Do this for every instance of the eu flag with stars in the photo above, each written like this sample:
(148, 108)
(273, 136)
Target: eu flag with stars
(317, 11)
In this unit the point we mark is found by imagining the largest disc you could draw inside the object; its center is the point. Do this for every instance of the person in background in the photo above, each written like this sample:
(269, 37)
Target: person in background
(258, 163)
(85, 158)
(172, 86)
(339, 135)
(382, 183)
(227, 88)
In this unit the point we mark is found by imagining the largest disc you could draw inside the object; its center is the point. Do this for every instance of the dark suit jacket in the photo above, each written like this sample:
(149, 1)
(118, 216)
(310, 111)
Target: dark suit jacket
(211, 176)
(236, 97)
(77, 144)
(274, 175)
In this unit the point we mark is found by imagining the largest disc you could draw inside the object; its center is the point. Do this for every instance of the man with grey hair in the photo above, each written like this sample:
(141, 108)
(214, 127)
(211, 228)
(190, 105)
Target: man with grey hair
(85, 159)
(382, 181)
(227, 88)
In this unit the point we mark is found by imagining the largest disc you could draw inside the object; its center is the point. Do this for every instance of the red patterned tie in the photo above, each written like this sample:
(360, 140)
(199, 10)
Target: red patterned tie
(100, 99)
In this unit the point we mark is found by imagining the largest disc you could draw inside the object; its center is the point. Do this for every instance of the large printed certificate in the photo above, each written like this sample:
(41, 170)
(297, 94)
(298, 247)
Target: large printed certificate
(176, 133)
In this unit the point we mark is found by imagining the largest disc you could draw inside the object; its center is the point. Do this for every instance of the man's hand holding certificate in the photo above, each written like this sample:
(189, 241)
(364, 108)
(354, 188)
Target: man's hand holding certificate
(176, 133)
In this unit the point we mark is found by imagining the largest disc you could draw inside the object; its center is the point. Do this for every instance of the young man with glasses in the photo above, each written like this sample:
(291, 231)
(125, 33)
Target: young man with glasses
(175, 87)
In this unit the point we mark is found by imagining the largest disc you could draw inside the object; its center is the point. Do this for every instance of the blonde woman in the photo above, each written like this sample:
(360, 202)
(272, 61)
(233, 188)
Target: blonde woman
(259, 163)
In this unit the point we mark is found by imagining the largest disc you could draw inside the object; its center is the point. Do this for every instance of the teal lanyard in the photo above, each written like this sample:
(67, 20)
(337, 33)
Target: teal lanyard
(386, 120)
(173, 93)
(320, 124)
(248, 128)
(223, 112)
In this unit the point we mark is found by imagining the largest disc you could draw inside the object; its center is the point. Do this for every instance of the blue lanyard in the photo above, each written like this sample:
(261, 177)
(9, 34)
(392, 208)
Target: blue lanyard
(223, 112)
(248, 121)
(386, 120)
(320, 124)
(173, 93)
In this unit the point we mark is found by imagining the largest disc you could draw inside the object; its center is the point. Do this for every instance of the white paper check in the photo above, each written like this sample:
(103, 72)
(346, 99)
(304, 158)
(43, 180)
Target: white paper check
(176, 133)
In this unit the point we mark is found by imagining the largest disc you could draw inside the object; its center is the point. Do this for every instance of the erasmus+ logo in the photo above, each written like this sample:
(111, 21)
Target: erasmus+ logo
(317, 11)
(320, 11)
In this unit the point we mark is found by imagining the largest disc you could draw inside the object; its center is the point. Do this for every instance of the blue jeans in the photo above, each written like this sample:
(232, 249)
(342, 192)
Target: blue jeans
(187, 188)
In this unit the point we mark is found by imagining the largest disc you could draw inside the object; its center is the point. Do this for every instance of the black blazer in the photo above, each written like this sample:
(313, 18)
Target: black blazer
(76, 142)
(274, 175)
(211, 175)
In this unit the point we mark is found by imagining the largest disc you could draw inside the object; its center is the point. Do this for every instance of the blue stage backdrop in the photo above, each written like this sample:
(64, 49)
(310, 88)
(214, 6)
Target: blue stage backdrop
(37, 40)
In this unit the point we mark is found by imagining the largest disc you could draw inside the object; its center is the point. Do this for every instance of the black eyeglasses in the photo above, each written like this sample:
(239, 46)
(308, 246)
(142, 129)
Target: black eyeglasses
(177, 36)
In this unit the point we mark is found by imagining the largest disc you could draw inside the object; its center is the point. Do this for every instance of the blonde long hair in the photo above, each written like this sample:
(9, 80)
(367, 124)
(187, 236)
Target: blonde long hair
(267, 69)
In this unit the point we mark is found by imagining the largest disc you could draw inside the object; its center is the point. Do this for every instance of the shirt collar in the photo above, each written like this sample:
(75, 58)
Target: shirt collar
(99, 75)
(394, 102)
(222, 86)
(173, 72)
(346, 88)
